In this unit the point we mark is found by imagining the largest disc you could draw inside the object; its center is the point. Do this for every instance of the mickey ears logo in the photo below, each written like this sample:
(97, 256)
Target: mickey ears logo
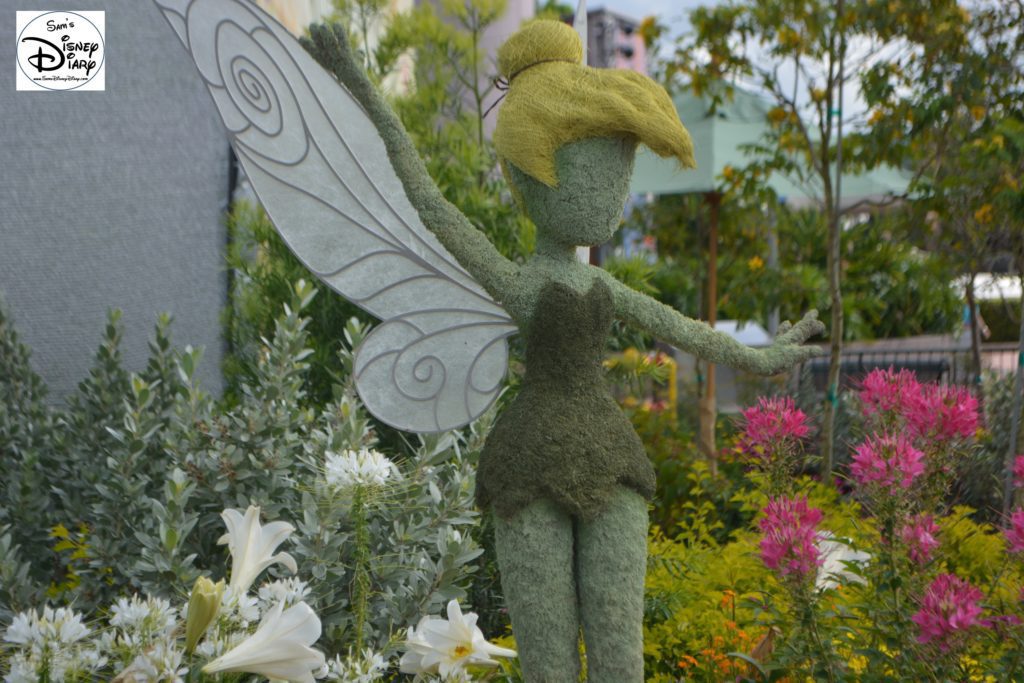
(60, 50)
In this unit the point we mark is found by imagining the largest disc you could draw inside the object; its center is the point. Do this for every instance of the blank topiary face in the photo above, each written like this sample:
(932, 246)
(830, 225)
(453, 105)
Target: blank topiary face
(586, 206)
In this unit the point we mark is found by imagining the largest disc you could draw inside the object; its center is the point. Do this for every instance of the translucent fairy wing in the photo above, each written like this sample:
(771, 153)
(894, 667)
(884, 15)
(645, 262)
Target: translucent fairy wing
(319, 167)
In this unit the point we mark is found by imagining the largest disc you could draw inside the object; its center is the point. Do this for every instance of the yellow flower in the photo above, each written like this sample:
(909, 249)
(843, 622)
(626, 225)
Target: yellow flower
(789, 38)
(978, 112)
(777, 115)
(755, 263)
(984, 214)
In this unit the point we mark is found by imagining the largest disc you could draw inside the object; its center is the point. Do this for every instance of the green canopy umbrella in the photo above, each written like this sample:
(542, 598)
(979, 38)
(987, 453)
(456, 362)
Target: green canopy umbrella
(718, 138)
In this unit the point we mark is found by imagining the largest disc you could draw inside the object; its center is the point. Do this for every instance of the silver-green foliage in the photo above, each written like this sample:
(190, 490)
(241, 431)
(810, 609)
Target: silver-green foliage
(120, 492)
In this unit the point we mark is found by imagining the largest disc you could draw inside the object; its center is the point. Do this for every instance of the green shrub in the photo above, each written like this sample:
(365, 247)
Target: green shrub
(128, 482)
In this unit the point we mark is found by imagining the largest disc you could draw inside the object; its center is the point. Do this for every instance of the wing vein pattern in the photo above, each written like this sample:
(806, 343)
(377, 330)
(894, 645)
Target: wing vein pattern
(320, 169)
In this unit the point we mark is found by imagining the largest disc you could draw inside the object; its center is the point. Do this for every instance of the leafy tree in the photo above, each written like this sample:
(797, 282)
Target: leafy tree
(802, 55)
(941, 107)
(755, 40)
(894, 289)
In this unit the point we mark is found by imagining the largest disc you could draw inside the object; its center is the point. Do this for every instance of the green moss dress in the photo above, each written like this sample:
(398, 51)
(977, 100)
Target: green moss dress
(564, 438)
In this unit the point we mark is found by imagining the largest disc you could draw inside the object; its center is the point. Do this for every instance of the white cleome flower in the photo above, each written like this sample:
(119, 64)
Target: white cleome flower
(279, 649)
(144, 618)
(21, 670)
(61, 626)
(364, 467)
(51, 642)
(162, 662)
(834, 554)
(252, 546)
(369, 667)
(446, 647)
(289, 591)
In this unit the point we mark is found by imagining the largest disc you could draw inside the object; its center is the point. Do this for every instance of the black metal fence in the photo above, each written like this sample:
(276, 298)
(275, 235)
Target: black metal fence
(947, 365)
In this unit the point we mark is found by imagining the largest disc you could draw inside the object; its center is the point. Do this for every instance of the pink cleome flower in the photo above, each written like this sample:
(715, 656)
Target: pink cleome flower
(886, 391)
(919, 535)
(790, 535)
(949, 609)
(1014, 533)
(770, 424)
(889, 461)
(943, 412)
(1018, 471)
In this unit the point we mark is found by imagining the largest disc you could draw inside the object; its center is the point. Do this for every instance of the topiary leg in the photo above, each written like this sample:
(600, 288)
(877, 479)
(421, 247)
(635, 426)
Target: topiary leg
(535, 556)
(611, 556)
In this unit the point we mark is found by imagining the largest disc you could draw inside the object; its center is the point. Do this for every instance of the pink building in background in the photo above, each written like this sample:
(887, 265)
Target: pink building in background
(613, 41)
(296, 15)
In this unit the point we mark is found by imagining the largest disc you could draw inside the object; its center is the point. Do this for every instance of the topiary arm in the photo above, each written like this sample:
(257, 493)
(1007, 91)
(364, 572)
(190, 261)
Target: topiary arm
(700, 339)
(328, 44)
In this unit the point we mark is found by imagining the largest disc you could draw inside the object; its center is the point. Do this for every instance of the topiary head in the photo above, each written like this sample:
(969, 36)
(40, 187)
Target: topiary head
(554, 102)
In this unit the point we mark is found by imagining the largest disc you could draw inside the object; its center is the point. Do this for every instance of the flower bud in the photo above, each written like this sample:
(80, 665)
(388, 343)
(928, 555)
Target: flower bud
(203, 605)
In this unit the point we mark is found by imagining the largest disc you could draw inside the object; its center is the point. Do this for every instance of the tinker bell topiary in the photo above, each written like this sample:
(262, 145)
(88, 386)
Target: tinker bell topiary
(563, 471)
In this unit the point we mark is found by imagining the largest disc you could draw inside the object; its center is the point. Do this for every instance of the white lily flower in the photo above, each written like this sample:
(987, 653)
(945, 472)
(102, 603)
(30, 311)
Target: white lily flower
(447, 647)
(252, 546)
(279, 649)
(834, 555)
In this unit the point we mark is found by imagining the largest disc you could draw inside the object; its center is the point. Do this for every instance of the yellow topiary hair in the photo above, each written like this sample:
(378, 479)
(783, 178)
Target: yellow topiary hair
(554, 100)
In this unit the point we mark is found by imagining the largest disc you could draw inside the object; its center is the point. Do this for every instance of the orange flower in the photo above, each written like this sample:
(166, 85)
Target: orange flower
(687, 661)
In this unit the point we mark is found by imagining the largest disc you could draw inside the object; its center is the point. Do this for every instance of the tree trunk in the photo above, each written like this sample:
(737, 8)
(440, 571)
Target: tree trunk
(708, 410)
(972, 317)
(835, 348)
(835, 261)
(1018, 390)
(773, 267)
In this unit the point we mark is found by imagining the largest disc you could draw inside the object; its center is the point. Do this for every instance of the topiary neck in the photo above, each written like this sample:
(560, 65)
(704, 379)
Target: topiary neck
(553, 250)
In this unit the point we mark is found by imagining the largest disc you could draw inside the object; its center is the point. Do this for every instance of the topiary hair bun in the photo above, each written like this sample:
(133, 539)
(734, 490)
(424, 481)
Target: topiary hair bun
(536, 43)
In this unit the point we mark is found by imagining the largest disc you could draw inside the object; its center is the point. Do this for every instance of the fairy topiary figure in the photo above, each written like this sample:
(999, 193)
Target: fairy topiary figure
(563, 472)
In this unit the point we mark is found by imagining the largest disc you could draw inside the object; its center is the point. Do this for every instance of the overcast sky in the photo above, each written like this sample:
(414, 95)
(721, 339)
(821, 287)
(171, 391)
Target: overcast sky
(675, 14)
(670, 12)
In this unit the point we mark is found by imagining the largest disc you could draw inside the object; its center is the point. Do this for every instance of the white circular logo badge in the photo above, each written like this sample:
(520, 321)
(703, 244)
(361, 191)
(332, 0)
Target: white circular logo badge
(60, 50)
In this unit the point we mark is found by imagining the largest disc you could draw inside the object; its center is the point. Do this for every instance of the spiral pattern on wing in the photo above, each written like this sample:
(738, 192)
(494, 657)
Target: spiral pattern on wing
(251, 84)
(250, 64)
(421, 378)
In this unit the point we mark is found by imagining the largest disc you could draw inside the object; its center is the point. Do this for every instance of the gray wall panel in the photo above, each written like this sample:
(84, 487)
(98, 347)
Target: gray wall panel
(113, 199)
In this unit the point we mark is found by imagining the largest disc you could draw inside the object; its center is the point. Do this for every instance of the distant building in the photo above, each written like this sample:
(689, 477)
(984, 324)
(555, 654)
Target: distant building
(613, 41)
(296, 15)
